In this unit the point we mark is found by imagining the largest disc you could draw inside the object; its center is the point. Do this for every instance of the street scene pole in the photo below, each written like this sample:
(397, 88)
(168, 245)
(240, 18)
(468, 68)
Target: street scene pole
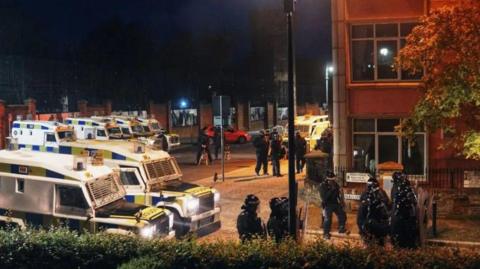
(289, 8)
(222, 149)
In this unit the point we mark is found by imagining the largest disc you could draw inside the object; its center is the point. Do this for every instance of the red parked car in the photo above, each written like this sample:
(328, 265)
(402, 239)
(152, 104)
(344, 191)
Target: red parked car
(231, 135)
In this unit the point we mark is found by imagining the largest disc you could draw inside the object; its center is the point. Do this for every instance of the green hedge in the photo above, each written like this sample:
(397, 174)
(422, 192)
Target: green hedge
(60, 248)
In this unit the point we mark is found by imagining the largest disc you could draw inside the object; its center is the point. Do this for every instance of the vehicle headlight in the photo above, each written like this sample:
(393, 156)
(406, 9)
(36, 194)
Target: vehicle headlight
(147, 232)
(216, 197)
(192, 205)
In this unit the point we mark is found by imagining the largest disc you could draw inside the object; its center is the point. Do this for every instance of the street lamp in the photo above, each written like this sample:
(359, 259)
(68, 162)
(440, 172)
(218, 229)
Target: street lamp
(328, 69)
(292, 184)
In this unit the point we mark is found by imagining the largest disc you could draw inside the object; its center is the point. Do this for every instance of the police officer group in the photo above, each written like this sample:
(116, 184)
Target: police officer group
(270, 144)
(250, 225)
(377, 217)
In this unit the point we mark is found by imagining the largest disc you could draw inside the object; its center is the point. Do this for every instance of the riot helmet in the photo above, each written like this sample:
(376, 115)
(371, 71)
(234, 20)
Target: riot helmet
(251, 203)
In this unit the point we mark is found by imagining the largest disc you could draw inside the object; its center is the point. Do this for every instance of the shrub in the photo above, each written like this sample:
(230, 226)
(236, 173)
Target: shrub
(61, 248)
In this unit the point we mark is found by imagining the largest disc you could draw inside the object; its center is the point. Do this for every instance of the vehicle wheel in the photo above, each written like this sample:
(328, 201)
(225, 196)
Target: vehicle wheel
(242, 140)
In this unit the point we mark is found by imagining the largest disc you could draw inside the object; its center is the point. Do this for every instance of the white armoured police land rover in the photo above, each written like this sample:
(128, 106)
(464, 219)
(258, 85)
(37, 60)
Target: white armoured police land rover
(43, 189)
(86, 128)
(150, 177)
(128, 127)
(154, 126)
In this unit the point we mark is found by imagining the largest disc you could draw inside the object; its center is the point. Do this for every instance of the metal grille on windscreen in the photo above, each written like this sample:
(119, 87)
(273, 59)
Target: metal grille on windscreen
(160, 168)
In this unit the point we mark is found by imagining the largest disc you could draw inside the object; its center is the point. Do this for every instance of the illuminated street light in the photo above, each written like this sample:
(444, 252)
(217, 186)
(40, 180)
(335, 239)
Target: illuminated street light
(183, 103)
(384, 51)
(328, 69)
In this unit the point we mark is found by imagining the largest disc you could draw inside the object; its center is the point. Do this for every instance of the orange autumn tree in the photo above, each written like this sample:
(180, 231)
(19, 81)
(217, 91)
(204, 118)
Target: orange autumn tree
(446, 45)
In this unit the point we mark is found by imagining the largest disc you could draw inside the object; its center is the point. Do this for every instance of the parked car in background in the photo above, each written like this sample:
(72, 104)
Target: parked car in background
(231, 135)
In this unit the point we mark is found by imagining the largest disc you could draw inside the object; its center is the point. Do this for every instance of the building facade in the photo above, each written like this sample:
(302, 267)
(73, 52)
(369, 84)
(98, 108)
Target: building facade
(370, 96)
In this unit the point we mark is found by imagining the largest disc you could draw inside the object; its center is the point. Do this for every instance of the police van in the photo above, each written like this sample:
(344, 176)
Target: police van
(42, 189)
(311, 128)
(154, 126)
(150, 177)
(86, 128)
(128, 126)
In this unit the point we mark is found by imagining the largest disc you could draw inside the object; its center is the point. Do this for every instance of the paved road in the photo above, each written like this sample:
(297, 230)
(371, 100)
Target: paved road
(242, 156)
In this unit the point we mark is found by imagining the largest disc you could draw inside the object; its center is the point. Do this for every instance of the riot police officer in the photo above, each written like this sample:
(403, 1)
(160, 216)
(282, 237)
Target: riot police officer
(249, 225)
(373, 214)
(332, 202)
(404, 232)
(261, 144)
(277, 224)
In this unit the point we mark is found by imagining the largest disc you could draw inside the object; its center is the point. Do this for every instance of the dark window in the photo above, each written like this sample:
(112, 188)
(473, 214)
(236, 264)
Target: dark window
(362, 60)
(387, 148)
(362, 31)
(375, 61)
(386, 53)
(51, 138)
(413, 155)
(101, 132)
(364, 153)
(20, 185)
(406, 28)
(364, 125)
(129, 178)
(387, 125)
(125, 130)
(386, 30)
(70, 200)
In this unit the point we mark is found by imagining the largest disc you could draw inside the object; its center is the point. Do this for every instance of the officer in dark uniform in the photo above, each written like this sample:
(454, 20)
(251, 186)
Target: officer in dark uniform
(277, 224)
(300, 151)
(398, 178)
(373, 214)
(275, 153)
(217, 141)
(163, 141)
(261, 144)
(203, 145)
(249, 225)
(332, 202)
(405, 232)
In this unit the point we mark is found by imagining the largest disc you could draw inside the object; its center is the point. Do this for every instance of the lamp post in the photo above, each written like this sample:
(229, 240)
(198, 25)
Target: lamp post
(292, 184)
(328, 69)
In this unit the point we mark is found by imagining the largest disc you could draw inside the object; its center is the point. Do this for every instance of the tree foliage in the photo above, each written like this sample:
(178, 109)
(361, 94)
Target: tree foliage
(446, 44)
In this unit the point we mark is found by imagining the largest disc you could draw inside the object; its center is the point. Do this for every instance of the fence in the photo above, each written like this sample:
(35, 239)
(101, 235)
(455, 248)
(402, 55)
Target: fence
(432, 178)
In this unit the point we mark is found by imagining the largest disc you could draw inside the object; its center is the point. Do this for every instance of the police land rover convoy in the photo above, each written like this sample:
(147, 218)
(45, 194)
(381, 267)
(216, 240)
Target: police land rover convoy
(150, 177)
(86, 128)
(43, 189)
(130, 127)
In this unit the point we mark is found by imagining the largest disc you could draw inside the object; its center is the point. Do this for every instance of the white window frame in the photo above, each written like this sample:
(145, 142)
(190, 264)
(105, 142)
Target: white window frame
(399, 139)
(375, 39)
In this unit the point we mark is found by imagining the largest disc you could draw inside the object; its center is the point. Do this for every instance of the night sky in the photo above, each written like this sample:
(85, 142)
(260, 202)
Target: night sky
(68, 22)
(113, 49)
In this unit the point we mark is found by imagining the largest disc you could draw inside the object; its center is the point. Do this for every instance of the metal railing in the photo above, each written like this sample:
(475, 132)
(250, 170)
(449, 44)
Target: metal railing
(431, 178)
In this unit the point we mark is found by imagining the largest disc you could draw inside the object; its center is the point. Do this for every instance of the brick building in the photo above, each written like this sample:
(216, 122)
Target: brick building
(369, 97)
